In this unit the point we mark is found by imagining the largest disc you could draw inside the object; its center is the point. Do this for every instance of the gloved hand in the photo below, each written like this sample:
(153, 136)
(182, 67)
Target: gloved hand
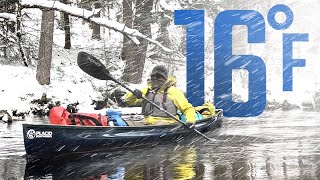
(137, 93)
(117, 93)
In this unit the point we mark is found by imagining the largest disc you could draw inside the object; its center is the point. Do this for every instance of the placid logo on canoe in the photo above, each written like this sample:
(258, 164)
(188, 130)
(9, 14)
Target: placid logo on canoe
(31, 134)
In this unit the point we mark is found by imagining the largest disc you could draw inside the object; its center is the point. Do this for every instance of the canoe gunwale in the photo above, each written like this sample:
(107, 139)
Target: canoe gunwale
(218, 115)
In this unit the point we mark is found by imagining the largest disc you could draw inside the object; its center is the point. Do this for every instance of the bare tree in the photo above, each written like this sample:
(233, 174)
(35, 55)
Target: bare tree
(164, 33)
(163, 18)
(19, 36)
(7, 28)
(95, 26)
(135, 57)
(66, 27)
(127, 51)
(45, 47)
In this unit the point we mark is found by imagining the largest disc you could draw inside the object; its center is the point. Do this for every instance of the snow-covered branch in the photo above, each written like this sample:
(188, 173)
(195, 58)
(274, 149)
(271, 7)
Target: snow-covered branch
(8, 16)
(166, 7)
(88, 15)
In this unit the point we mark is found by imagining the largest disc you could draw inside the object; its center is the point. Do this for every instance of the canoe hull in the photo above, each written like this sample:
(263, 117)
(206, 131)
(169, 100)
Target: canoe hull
(51, 140)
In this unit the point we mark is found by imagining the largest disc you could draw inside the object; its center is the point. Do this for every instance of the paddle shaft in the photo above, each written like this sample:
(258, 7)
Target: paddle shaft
(161, 109)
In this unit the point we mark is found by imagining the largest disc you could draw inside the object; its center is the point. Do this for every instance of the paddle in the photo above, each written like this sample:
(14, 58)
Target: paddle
(95, 68)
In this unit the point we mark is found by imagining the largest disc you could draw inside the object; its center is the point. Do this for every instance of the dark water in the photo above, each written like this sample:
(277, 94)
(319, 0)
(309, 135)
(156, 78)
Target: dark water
(275, 145)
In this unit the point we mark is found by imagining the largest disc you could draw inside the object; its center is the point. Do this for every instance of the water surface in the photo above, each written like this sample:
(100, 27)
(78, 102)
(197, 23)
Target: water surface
(275, 145)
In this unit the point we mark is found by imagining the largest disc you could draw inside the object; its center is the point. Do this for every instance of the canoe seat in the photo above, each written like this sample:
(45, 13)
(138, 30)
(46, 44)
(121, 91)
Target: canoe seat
(134, 120)
(135, 123)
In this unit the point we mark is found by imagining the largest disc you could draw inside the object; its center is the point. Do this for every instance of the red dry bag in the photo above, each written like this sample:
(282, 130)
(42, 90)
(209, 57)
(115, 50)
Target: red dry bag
(60, 116)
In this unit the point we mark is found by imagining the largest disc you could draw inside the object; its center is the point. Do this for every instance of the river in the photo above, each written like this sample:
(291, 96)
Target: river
(275, 145)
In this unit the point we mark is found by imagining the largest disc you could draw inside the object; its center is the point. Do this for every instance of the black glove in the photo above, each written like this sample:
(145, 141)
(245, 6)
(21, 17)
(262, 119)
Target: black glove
(118, 93)
(137, 93)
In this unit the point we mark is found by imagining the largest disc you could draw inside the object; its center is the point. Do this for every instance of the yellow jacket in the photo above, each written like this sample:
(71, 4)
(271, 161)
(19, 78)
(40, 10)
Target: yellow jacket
(174, 94)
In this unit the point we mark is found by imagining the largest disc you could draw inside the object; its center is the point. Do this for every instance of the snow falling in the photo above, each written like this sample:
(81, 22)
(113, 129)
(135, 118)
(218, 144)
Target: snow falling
(281, 143)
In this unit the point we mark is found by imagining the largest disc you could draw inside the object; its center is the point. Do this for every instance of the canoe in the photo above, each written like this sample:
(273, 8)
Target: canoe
(45, 140)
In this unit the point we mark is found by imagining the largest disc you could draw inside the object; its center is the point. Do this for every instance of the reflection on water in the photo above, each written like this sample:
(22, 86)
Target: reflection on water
(148, 163)
(280, 145)
(176, 164)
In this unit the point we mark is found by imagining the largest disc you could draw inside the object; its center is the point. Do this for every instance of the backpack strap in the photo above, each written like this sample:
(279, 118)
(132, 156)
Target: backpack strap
(144, 103)
(164, 99)
(154, 96)
(165, 93)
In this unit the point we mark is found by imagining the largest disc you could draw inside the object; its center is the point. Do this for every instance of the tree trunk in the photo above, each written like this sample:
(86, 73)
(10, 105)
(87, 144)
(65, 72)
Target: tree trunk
(96, 29)
(66, 27)
(164, 33)
(45, 47)
(135, 57)
(127, 51)
(163, 38)
(67, 31)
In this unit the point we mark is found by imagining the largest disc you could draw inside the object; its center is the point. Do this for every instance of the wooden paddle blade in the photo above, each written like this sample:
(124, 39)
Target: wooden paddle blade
(92, 66)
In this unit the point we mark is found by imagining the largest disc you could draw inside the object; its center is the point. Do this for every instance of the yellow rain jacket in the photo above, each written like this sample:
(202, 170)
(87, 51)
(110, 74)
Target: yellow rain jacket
(174, 94)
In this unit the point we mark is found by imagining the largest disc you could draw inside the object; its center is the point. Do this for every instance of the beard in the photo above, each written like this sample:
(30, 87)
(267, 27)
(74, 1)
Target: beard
(157, 83)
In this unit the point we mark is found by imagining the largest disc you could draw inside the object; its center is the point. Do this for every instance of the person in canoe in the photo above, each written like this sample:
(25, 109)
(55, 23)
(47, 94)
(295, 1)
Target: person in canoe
(161, 90)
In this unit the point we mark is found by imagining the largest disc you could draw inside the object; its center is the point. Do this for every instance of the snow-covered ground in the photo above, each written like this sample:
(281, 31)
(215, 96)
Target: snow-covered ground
(69, 84)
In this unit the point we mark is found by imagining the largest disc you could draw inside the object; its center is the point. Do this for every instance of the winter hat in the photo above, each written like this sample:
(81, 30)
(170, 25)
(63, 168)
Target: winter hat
(160, 69)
